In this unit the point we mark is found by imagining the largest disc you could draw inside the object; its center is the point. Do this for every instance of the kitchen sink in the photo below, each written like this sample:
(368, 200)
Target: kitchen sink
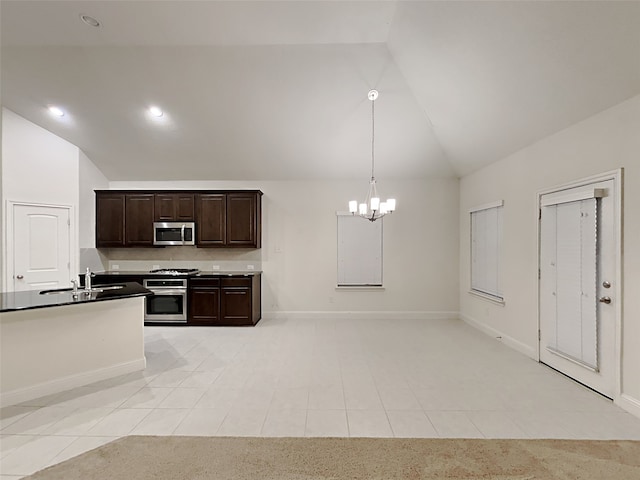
(81, 290)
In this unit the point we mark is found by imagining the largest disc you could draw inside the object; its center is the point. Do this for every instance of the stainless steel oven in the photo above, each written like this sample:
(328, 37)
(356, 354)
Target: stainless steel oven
(174, 233)
(169, 301)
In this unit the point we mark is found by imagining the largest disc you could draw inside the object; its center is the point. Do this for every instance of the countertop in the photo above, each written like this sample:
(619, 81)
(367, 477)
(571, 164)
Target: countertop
(145, 273)
(12, 301)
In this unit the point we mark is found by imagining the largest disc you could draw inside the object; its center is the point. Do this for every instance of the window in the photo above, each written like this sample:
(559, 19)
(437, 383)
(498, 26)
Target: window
(359, 251)
(486, 250)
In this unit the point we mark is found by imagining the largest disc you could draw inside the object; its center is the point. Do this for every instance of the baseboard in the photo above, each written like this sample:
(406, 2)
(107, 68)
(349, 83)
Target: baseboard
(67, 383)
(506, 339)
(630, 404)
(346, 315)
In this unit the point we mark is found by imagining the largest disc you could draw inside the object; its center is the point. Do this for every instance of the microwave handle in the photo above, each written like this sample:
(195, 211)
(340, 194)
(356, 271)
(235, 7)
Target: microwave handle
(182, 233)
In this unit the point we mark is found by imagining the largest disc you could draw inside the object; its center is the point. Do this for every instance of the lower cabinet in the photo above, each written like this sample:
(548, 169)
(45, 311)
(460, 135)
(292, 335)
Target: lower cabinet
(225, 300)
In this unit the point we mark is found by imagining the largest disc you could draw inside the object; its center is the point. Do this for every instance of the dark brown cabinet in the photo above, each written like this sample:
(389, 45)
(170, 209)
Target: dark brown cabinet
(174, 207)
(242, 221)
(225, 301)
(211, 220)
(204, 301)
(110, 211)
(139, 214)
(229, 219)
(224, 219)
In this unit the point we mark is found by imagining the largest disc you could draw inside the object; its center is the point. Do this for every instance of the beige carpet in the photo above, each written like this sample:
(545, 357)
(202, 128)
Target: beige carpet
(177, 458)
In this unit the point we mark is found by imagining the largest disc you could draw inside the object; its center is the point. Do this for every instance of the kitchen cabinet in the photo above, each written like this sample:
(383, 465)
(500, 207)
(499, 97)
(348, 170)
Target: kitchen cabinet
(242, 220)
(174, 207)
(211, 220)
(204, 301)
(225, 300)
(139, 213)
(229, 220)
(110, 211)
(223, 218)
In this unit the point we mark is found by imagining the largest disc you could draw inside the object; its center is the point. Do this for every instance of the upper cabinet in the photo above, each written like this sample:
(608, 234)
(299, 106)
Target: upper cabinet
(174, 207)
(110, 220)
(223, 218)
(231, 219)
(139, 219)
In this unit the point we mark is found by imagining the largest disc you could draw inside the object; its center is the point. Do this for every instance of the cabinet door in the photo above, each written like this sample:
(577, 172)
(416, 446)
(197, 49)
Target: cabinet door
(139, 220)
(211, 219)
(242, 220)
(173, 207)
(184, 211)
(235, 304)
(204, 306)
(110, 210)
(164, 207)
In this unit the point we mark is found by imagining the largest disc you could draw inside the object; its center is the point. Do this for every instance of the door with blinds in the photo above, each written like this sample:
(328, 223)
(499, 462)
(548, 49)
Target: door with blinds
(578, 288)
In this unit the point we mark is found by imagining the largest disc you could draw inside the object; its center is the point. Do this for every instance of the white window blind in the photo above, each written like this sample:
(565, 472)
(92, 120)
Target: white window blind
(359, 251)
(486, 250)
(569, 231)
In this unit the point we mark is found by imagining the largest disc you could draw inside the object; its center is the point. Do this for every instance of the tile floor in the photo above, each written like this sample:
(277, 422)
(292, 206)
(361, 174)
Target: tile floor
(313, 378)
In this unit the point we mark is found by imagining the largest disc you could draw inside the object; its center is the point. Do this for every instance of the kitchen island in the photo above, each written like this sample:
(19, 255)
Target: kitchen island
(53, 342)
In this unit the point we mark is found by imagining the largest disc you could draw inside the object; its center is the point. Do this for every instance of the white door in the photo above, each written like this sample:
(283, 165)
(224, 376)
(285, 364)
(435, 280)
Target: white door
(578, 291)
(41, 247)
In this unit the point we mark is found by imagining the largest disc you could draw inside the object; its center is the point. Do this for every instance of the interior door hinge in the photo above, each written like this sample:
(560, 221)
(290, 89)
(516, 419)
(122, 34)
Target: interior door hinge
(539, 214)
(68, 221)
(539, 335)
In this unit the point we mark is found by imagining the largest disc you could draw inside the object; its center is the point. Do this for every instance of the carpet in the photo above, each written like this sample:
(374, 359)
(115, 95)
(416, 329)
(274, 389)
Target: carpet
(240, 458)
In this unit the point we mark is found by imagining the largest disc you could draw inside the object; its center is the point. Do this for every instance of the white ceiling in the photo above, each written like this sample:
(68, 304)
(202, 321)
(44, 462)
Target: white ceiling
(277, 90)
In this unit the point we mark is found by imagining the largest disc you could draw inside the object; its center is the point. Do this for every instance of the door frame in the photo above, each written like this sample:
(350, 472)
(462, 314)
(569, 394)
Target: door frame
(617, 176)
(9, 250)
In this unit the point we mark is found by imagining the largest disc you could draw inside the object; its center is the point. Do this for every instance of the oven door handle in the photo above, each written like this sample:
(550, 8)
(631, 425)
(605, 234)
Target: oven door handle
(159, 291)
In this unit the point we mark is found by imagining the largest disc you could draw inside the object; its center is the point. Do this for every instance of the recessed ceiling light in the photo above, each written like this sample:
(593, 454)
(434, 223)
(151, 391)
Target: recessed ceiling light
(89, 20)
(57, 111)
(155, 111)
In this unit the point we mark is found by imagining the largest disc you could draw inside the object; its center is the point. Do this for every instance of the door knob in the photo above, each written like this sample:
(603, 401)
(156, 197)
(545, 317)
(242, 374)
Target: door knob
(19, 277)
(606, 300)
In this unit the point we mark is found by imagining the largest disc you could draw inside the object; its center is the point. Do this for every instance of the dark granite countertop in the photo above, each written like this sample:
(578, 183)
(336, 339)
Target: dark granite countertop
(12, 301)
(146, 273)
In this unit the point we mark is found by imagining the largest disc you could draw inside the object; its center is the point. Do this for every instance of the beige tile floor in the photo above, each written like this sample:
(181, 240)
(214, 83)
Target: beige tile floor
(313, 378)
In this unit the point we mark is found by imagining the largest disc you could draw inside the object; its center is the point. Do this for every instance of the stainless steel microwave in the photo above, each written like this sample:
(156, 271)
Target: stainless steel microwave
(174, 233)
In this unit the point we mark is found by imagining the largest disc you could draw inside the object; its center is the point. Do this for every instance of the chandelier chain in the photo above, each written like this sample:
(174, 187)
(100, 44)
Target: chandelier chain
(373, 133)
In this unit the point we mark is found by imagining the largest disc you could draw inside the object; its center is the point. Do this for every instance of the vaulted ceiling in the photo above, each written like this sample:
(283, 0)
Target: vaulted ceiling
(278, 89)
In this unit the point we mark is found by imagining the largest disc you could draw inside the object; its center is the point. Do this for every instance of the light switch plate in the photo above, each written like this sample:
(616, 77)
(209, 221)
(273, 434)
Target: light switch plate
(250, 267)
(155, 267)
(216, 267)
(115, 267)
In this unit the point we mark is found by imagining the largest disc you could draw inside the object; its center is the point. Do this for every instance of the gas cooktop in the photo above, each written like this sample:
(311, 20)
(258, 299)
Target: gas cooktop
(176, 271)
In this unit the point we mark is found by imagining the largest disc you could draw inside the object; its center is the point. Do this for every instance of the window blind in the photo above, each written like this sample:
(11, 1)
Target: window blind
(486, 250)
(359, 251)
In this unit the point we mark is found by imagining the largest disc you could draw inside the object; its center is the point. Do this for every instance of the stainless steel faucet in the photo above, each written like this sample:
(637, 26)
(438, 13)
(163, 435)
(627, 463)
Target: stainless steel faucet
(87, 280)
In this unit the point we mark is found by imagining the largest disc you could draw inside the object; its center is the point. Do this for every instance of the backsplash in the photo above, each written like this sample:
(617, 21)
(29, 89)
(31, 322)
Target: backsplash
(182, 257)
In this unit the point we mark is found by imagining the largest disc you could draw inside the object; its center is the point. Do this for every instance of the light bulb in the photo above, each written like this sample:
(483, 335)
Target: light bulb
(375, 203)
(383, 208)
(58, 112)
(155, 111)
(353, 206)
(363, 209)
(391, 204)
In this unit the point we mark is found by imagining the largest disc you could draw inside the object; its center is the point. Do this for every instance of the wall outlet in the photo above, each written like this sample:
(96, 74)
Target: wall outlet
(216, 267)
(155, 267)
(115, 266)
(250, 267)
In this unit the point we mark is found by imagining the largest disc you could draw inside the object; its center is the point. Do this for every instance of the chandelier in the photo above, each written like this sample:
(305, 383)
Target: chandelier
(372, 208)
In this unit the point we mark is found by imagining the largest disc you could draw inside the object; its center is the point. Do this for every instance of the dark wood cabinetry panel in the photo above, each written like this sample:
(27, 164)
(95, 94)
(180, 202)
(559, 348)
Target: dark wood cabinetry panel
(225, 301)
(204, 305)
(139, 215)
(242, 220)
(211, 219)
(110, 211)
(174, 207)
(223, 218)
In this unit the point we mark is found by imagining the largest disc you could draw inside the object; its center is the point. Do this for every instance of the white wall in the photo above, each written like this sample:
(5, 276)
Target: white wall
(299, 246)
(604, 142)
(40, 167)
